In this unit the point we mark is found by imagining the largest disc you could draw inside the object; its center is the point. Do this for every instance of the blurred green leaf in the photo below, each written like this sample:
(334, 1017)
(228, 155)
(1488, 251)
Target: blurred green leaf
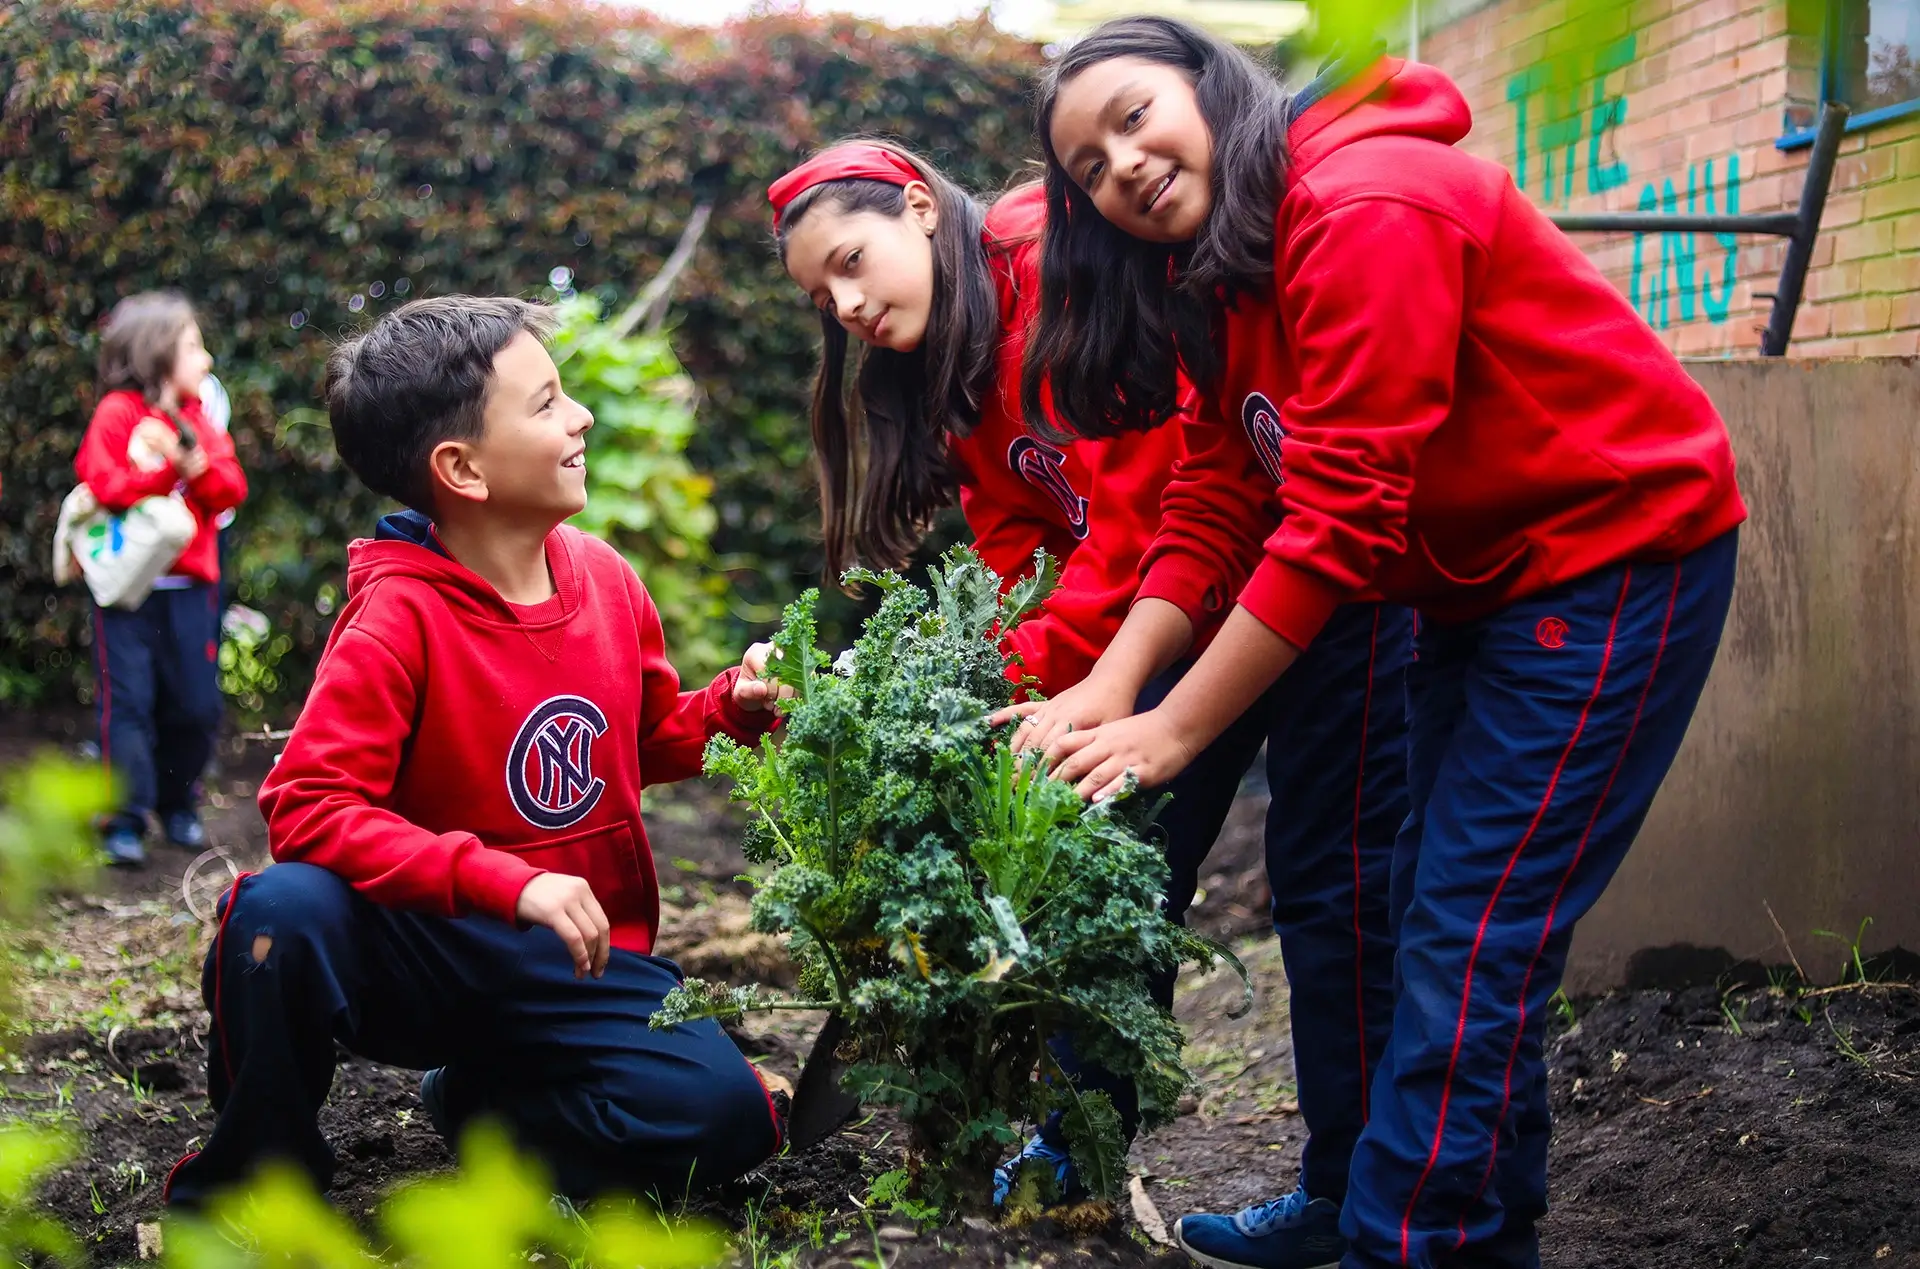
(488, 1216)
(27, 1155)
(47, 811)
(276, 1219)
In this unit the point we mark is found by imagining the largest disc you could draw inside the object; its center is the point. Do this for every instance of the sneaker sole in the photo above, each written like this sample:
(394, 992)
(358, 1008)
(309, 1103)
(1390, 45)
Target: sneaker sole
(1215, 1262)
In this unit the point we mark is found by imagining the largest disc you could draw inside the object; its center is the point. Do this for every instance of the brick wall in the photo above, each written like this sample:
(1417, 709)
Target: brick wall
(1675, 105)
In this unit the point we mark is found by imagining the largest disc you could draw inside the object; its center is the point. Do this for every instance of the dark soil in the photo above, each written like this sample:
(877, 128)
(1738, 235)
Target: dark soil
(1763, 1128)
(1780, 1130)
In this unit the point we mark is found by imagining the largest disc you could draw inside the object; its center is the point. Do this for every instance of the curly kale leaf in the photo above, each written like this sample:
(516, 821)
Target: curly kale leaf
(1025, 596)
(697, 998)
(965, 593)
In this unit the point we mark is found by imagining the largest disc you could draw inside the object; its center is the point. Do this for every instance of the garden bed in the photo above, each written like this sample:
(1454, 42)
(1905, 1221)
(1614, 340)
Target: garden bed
(1759, 1128)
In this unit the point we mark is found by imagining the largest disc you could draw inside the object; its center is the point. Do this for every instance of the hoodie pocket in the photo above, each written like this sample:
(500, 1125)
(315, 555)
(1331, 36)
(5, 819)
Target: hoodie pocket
(1499, 573)
(607, 859)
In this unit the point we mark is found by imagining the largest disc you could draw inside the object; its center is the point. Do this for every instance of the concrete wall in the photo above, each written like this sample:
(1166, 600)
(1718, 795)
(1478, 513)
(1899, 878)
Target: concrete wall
(1799, 782)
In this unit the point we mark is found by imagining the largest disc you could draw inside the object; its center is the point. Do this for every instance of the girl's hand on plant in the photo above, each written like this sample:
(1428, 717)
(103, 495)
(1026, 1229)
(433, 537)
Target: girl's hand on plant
(1086, 705)
(566, 906)
(752, 690)
(1096, 762)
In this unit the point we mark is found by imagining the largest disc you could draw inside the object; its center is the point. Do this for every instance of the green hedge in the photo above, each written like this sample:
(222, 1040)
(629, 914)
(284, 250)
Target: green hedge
(298, 167)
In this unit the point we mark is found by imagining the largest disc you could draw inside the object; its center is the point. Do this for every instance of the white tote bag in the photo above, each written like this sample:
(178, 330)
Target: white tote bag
(121, 556)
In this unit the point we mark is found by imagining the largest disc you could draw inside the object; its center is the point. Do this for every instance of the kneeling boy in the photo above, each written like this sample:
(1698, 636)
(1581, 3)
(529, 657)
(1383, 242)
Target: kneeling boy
(463, 882)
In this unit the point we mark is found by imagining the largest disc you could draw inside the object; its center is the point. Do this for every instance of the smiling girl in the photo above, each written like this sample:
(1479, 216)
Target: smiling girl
(1464, 416)
(939, 298)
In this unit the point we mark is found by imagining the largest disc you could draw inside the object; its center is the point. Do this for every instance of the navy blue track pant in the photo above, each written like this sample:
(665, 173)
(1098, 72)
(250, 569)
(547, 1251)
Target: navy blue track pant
(1539, 737)
(569, 1066)
(1336, 735)
(157, 698)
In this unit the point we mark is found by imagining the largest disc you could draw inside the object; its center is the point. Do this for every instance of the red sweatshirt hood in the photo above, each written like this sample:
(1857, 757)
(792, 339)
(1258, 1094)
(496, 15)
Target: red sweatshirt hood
(1389, 98)
(405, 545)
(1018, 215)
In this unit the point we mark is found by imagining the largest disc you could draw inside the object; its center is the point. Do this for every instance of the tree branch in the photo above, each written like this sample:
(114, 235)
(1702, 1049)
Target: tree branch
(651, 306)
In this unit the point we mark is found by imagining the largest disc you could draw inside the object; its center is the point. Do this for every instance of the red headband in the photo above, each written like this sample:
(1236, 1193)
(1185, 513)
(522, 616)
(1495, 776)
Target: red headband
(854, 162)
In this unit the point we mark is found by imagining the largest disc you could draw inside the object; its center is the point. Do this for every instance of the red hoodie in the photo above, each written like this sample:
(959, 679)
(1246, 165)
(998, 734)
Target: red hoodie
(1093, 505)
(1459, 410)
(104, 467)
(454, 746)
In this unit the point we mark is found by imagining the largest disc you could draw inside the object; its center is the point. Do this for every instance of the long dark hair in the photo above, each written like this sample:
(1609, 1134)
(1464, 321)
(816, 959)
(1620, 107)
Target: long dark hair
(1118, 316)
(884, 470)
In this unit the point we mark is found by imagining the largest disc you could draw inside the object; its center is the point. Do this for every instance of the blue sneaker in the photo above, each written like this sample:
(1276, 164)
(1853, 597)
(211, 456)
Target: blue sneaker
(184, 830)
(1290, 1232)
(1047, 1155)
(433, 1096)
(123, 848)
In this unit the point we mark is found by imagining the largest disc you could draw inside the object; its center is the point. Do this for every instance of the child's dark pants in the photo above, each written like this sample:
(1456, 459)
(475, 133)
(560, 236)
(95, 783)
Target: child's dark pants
(157, 695)
(569, 1066)
(1539, 738)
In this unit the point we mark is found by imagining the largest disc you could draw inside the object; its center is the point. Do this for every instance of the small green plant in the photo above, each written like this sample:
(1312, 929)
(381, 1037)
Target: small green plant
(1856, 962)
(1563, 1008)
(1843, 1040)
(891, 1192)
(954, 903)
(755, 1241)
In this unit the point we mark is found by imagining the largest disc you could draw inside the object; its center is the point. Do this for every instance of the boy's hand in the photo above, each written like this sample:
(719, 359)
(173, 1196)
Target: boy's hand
(566, 906)
(751, 690)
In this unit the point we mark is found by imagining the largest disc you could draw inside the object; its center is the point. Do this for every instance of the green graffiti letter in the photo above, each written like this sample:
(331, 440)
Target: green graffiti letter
(1716, 306)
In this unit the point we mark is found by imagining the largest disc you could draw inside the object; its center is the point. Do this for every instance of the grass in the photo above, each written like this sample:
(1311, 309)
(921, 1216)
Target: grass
(755, 1241)
(1856, 962)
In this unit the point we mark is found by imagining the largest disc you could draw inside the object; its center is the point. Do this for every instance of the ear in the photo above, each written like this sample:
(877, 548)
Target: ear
(455, 470)
(922, 207)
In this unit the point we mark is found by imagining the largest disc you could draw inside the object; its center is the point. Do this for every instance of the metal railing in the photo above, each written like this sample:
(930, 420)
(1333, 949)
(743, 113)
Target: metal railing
(1800, 227)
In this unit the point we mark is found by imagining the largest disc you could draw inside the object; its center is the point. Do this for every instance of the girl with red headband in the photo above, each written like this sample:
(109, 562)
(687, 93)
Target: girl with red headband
(939, 294)
(1467, 417)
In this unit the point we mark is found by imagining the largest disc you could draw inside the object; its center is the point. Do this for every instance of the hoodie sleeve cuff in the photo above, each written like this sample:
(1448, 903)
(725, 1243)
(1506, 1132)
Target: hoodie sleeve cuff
(1189, 584)
(490, 882)
(1290, 601)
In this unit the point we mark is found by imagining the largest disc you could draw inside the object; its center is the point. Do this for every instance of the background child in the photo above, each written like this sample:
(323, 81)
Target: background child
(158, 691)
(1468, 418)
(464, 883)
(901, 259)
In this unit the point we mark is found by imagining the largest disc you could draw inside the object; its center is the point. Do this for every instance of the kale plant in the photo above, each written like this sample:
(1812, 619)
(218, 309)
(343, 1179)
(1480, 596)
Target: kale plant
(955, 903)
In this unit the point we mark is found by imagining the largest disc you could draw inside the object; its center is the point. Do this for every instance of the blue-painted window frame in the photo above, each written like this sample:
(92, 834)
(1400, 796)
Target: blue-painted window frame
(1801, 138)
